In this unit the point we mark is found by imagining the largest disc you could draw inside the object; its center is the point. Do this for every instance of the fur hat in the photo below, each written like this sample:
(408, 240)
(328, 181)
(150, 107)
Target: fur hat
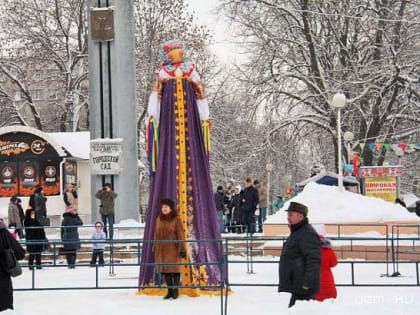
(169, 202)
(298, 207)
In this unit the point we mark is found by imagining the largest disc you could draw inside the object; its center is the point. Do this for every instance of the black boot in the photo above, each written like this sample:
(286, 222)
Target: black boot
(175, 292)
(169, 284)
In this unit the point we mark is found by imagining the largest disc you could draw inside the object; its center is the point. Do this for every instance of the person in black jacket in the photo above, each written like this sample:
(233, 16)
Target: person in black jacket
(220, 207)
(300, 260)
(249, 205)
(236, 209)
(6, 288)
(21, 214)
(70, 235)
(39, 203)
(35, 238)
(418, 208)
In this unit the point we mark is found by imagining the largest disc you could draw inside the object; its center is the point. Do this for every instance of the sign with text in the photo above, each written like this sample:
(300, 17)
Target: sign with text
(106, 156)
(22, 145)
(69, 173)
(378, 171)
(382, 187)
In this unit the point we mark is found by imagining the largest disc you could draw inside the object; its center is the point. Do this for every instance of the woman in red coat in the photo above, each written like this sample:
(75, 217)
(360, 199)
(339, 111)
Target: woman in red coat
(328, 260)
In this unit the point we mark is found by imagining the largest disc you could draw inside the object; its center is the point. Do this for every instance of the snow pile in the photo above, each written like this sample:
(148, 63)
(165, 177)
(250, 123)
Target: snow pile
(329, 205)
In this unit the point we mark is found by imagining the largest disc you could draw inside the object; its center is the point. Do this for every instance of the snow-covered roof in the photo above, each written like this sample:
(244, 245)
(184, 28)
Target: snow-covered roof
(328, 178)
(53, 142)
(76, 143)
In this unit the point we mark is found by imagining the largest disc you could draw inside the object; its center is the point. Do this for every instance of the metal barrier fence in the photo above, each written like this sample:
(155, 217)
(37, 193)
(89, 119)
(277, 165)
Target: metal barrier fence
(246, 251)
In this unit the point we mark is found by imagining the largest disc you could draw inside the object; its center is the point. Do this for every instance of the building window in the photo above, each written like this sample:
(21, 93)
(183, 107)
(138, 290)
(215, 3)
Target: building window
(54, 75)
(36, 95)
(17, 97)
(37, 76)
(3, 77)
(53, 95)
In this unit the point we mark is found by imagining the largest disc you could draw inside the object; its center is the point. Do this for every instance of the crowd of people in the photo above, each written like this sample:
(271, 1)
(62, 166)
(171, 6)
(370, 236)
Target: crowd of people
(30, 225)
(241, 210)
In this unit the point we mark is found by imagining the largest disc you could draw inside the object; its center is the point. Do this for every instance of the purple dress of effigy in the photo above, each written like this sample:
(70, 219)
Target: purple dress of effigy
(178, 148)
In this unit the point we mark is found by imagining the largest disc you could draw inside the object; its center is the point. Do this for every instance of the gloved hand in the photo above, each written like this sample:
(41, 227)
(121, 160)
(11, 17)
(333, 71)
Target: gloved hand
(183, 253)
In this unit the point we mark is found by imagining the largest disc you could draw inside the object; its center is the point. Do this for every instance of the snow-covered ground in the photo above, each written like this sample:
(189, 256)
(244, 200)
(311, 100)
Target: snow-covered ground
(244, 300)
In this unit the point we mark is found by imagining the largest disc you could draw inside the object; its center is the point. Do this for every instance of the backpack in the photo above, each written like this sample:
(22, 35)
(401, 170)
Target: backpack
(9, 261)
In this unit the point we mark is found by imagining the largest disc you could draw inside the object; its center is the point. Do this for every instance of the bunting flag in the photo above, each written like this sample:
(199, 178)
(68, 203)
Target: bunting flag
(206, 130)
(399, 148)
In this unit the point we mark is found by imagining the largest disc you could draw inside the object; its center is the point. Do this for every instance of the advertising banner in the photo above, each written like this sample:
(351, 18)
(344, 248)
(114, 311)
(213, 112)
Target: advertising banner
(24, 145)
(50, 177)
(382, 187)
(69, 173)
(28, 177)
(9, 179)
(106, 156)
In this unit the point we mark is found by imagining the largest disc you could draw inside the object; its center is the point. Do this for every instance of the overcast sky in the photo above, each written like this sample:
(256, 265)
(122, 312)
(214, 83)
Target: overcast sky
(206, 14)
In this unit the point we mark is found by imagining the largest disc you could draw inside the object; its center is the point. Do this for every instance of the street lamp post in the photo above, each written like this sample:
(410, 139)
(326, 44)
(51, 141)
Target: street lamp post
(339, 101)
(269, 169)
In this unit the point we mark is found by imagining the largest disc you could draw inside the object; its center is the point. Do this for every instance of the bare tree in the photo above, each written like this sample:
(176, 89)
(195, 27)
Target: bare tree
(49, 35)
(301, 52)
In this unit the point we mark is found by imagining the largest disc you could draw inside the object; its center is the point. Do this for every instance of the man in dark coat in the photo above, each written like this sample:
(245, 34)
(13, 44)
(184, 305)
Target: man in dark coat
(35, 239)
(40, 205)
(249, 205)
(220, 207)
(70, 235)
(6, 289)
(300, 259)
(418, 208)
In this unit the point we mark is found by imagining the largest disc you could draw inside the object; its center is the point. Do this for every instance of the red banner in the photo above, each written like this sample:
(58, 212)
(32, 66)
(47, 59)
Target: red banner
(380, 171)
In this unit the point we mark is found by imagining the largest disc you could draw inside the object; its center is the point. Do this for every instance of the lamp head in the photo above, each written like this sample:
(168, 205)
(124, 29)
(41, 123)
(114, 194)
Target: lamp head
(348, 136)
(339, 100)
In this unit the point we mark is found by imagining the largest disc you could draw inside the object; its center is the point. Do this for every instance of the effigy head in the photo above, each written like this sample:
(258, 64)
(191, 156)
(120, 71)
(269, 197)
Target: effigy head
(172, 52)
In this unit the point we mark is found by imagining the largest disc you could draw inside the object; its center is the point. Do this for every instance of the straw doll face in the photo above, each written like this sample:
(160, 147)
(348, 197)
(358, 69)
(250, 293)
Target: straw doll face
(176, 55)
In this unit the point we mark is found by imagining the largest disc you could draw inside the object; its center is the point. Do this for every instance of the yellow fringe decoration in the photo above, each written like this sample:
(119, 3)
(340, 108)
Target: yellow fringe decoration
(191, 292)
(205, 128)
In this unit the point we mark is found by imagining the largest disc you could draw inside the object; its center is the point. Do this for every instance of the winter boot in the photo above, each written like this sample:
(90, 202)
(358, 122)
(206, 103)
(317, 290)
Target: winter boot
(175, 292)
(169, 284)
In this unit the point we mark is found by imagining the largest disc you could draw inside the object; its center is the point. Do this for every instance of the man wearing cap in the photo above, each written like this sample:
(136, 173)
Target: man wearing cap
(300, 260)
